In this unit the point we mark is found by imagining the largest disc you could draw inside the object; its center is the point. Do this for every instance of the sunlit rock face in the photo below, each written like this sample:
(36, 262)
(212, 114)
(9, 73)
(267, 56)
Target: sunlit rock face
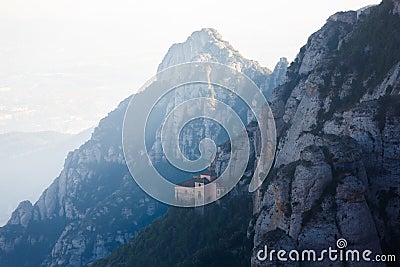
(337, 166)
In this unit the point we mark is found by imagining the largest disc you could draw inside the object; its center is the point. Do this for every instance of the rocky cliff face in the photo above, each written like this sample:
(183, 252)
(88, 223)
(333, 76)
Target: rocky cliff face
(337, 166)
(94, 205)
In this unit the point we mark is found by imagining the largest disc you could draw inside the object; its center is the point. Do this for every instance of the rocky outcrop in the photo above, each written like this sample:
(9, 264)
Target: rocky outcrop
(276, 78)
(336, 171)
(22, 215)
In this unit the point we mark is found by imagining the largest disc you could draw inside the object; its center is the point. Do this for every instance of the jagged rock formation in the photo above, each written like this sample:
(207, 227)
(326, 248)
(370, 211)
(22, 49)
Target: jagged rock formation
(276, 78)
(94, 206)
(337, 165)
(22, 215)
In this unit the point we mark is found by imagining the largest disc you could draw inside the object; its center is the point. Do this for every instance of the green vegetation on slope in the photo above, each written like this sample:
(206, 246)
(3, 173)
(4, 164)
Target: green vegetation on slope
(374, 47)
(185, 237)
(371, 50)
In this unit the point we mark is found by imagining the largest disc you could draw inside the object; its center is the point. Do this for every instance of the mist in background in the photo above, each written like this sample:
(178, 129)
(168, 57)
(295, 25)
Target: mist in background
(65, 64)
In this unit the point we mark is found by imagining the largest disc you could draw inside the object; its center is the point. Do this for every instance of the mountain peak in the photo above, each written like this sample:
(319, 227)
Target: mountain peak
(207, 45)
(23, 214)
(213, 33)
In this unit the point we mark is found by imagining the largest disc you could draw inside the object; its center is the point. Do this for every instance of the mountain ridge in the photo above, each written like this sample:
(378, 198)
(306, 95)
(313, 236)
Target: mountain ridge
(93, 206)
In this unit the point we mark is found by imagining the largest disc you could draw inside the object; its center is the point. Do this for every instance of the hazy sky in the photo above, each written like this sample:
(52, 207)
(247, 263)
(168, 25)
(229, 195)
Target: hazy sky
(65, 63)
